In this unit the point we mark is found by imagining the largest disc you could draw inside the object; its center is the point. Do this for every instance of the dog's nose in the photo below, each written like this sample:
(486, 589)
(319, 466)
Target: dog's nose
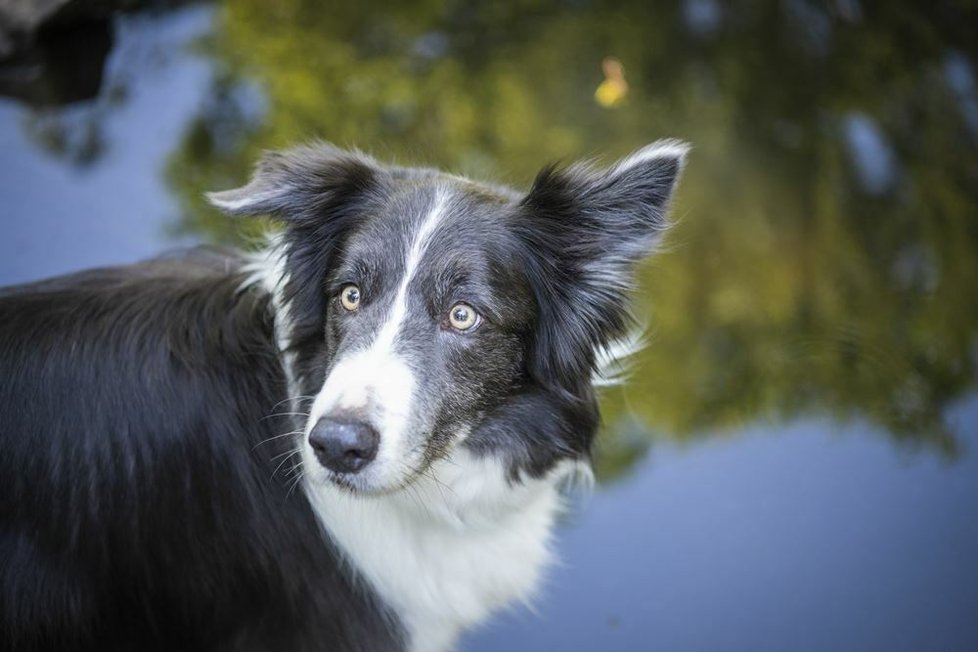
(343, 446)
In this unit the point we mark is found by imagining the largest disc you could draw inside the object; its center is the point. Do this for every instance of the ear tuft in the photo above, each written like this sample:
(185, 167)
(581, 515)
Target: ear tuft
(665, 150)
(637, 190)
(239, 201)
(298, 183)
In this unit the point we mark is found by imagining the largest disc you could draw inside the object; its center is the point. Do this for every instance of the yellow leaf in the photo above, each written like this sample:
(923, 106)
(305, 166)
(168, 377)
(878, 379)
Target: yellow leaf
(612, 91)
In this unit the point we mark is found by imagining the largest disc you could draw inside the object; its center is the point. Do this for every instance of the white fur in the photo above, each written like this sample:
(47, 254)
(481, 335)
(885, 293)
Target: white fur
(451, 548)
(268, 269)
(385, 338)
(659, 149)
(245, 202)
(383, 377)
(389, 384)
(613, 360)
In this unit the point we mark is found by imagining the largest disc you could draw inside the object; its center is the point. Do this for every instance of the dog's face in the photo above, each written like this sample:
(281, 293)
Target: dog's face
(426, 312)
(423, 333)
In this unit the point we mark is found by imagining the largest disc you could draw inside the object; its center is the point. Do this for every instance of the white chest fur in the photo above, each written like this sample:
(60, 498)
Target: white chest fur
(445, 554)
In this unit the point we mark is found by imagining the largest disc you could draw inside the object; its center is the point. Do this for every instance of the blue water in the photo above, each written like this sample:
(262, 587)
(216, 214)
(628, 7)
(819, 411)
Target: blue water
(802, 537)
(59, 216)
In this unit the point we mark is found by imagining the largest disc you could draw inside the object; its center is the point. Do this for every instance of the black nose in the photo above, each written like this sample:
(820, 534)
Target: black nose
(343, 446)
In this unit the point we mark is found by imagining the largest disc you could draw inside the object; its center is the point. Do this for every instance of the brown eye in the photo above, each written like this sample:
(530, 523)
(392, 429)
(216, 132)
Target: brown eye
(463, 317)
(350, 297)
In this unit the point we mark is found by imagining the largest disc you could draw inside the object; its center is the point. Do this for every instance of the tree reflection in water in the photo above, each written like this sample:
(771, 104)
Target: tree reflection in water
(824, 255)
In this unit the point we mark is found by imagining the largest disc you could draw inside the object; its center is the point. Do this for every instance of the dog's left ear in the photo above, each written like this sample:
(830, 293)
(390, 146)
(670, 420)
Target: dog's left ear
(588, 228)
(301, 184)
(319, 191)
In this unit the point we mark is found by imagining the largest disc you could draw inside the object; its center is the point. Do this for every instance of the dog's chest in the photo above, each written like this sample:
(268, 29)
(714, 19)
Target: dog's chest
(445, 558)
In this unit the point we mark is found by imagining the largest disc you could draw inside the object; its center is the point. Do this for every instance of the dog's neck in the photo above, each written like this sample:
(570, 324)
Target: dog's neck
(448, 550)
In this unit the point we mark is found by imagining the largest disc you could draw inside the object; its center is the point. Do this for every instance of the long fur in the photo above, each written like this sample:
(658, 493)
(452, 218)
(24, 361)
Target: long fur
(159, 486)
(140, 505)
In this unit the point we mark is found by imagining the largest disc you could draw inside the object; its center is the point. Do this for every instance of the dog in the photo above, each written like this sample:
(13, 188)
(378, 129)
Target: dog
(354, 439)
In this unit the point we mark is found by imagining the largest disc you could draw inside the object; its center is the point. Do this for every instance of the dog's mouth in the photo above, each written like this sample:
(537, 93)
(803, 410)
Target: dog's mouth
(360, 486)
(370, 482)
(357, 485)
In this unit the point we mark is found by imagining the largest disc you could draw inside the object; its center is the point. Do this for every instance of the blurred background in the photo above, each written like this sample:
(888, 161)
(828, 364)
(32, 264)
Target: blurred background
(793, 464)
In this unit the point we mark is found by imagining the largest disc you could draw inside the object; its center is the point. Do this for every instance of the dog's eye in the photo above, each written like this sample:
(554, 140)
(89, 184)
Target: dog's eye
(350, 297)
(463, 317)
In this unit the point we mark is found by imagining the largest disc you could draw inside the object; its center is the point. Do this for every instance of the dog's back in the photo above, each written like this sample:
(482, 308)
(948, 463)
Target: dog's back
(139, 509)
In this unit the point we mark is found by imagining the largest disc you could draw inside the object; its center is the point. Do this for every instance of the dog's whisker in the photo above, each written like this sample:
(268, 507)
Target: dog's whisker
(284, 414)
(448, 458)
(285, 434)
(294, 399)
(291, 472)
(441, 486)
(412, 490)
(298, 478)
(288, 452)
(284, 460)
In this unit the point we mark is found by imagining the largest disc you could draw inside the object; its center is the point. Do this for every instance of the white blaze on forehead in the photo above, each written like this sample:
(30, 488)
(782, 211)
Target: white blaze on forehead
(377, 378)
(420, 242)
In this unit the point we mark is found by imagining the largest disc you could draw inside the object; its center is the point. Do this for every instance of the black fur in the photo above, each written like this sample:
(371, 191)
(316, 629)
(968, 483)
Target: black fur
(586, 229)
(139, 506)
(145, 505)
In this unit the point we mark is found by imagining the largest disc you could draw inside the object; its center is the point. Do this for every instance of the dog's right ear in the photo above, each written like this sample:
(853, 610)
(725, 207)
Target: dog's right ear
(301, 184)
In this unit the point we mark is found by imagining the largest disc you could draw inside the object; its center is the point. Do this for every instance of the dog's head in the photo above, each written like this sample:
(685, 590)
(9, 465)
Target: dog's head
(421, 312)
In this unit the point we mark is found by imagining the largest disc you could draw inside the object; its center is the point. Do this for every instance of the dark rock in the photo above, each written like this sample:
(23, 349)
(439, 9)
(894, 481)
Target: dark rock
(20, 20)
(52, 52)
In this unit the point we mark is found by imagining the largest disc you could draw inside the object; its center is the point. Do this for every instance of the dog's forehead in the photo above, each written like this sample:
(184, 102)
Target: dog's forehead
(453, 218)
(459, 202)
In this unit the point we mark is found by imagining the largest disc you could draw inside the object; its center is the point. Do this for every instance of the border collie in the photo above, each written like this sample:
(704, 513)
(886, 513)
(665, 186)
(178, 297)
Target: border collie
(353, 440)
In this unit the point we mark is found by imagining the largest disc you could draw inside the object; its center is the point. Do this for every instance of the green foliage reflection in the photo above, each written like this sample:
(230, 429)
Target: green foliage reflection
(824, 256)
